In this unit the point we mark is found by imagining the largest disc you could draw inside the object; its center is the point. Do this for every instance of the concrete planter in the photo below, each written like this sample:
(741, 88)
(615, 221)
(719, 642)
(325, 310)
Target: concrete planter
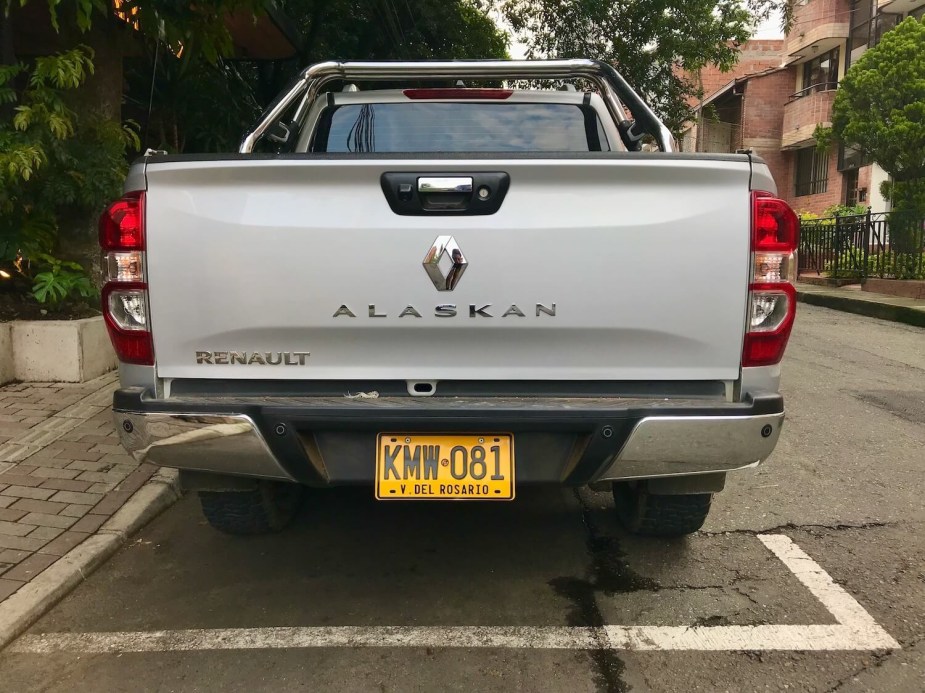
(6, 353)
(817, 280)
(907, 288)
(70, 351)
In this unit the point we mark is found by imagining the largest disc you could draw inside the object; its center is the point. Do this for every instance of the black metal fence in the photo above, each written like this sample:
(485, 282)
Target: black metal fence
(888, 245)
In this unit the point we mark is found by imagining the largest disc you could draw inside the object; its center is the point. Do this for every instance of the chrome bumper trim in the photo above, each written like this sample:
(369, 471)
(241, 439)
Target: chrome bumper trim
(228, 444)
(682, 445)
(656, 446)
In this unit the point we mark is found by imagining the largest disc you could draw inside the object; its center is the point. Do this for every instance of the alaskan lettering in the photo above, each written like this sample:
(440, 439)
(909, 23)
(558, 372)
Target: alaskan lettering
(448, 310)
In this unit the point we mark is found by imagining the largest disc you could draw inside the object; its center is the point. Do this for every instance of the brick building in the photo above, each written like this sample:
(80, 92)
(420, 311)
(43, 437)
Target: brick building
(754, 56)
(774, 109)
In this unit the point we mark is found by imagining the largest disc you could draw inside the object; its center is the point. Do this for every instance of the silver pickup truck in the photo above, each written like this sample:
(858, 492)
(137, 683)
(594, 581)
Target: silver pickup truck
(449, 292)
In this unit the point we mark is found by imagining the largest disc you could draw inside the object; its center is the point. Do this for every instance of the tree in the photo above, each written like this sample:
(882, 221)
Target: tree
(653, 43)
(389, 30)
(54, 168)
(879, 109)
(186, 89)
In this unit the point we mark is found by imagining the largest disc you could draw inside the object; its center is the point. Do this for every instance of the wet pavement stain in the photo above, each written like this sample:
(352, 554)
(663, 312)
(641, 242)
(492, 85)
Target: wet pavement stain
(906, 405)
(608, 574)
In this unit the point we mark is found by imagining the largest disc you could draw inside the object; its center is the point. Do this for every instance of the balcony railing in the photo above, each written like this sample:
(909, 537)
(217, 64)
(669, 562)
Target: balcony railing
(802, 115)
(812, 89)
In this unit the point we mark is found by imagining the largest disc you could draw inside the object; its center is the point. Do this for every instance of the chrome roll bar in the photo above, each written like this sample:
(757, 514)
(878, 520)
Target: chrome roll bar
(614, 89)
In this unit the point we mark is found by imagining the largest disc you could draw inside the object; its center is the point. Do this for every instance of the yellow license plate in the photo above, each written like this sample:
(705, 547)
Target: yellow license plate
(457, 466)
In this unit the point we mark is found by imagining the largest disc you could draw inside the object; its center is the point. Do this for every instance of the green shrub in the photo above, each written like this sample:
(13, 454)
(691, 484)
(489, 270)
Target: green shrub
(827, 218)
(890, 265)
(849, 265)
(56, 170)
(60, 280)
(844, 211)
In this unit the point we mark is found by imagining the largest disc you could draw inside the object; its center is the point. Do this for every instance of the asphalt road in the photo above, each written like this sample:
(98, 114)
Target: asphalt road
(845, 484)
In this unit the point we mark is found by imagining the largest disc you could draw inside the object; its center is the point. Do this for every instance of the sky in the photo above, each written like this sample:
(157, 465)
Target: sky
(770, 29)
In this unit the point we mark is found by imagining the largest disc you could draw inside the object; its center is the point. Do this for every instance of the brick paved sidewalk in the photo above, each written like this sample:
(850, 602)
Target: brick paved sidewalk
(62, 473)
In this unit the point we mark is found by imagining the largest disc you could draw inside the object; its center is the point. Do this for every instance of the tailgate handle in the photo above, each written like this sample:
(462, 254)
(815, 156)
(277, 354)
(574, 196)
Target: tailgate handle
(460, 184)
(436, 193)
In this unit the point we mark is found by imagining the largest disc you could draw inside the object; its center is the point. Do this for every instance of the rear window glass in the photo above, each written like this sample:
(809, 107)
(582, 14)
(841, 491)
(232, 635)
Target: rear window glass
(460, 127)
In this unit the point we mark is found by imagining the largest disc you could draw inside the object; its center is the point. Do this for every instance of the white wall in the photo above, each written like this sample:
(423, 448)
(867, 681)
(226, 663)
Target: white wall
(877, 202)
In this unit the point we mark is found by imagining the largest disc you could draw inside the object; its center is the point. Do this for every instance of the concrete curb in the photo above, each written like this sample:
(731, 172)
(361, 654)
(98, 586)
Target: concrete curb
(860, 306)
(34, 599)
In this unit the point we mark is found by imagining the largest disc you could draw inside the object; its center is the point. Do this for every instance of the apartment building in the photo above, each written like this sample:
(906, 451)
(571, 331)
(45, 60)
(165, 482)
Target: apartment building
(774, 110)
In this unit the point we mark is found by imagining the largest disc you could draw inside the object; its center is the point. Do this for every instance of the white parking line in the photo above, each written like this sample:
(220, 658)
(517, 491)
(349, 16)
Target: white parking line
(855, 630)
(839, 603)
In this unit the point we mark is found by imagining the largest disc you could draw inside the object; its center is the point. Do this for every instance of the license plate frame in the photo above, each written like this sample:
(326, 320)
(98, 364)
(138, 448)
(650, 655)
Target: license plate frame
(435, 470)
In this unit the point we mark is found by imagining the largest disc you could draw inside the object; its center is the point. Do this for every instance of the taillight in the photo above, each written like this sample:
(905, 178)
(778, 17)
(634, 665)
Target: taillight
(125, 291)
(775, 228)
(458, 93)
(771, 295)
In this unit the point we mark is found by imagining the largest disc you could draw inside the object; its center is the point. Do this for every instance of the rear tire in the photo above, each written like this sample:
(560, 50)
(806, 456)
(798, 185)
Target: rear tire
(659, 515)
(268, 507)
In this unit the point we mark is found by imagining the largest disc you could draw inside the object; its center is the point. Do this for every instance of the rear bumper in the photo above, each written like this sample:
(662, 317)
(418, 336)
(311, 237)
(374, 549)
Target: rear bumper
(324, 441)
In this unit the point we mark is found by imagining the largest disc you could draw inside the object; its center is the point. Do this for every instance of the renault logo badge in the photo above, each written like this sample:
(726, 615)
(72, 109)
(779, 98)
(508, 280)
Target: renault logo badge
(445, 245)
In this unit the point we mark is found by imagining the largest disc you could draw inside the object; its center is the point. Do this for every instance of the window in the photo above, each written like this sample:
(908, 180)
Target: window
(850, 158)
(460, 127)
(850, 179)
(881, 24)
(861, 13)
(812, 172)
(821, 73)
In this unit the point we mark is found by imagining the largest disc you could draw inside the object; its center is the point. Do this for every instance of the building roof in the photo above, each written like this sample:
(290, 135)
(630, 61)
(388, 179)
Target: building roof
(723, 91)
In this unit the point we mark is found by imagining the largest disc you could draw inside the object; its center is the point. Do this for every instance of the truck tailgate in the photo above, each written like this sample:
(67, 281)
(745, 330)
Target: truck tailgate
(594, 268)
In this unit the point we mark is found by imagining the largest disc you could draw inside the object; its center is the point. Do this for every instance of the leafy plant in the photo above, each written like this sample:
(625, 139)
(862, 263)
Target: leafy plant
(827, 218)
(824, 137)
(844, 211)
(56, 170)
(850, 264)
(60, 280)
(879, 110)
(888, 264)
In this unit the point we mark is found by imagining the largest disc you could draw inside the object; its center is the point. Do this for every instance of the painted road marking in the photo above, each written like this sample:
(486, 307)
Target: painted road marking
(855, 630)
(834, 598)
